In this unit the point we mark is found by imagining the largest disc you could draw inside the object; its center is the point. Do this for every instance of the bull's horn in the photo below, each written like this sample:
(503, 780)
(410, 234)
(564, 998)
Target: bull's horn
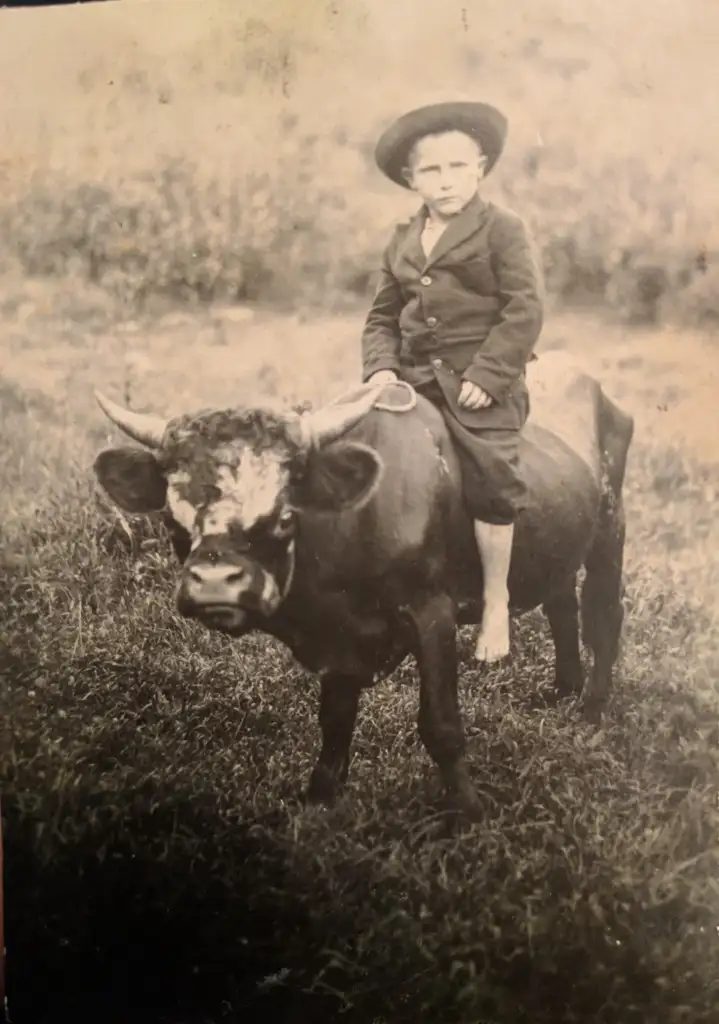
(334, 420)
(143, 427)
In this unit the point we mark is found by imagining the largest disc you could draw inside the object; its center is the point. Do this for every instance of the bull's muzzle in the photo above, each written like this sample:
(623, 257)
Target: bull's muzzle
(223, 595)
(217, 584)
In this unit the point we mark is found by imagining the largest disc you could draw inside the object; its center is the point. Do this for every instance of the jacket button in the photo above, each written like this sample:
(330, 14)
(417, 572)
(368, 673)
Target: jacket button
(426, 280)
(431, 321)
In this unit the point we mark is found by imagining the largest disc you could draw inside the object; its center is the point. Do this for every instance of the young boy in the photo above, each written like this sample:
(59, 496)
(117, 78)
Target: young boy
(457, 313)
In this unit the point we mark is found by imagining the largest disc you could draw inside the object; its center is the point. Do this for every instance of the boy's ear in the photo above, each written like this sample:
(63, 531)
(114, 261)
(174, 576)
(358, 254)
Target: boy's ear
(407, 175)
(341, 477)
(132, 479)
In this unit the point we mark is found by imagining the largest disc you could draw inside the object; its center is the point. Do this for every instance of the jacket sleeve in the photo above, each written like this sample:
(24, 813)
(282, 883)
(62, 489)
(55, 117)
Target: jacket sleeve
(381, 337)
(510, 343)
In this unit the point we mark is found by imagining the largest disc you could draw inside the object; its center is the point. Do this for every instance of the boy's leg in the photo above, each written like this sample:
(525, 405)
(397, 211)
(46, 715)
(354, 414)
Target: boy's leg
(493, 487)
(495, 549)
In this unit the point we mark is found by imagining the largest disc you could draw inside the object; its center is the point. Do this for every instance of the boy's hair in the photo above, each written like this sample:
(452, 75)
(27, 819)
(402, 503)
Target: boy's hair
(434, 135)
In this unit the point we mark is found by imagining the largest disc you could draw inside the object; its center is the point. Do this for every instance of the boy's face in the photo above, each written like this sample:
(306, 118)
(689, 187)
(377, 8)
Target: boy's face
(445, 170)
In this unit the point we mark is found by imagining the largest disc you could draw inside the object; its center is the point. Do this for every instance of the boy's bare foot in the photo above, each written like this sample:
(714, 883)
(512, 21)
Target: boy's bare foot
(493, 637)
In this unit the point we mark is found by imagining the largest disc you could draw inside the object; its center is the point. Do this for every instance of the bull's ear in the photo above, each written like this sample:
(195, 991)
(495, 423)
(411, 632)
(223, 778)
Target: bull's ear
(132, 478)
(341, 477)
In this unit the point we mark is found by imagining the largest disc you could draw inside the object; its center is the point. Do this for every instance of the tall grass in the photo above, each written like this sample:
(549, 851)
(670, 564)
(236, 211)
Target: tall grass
(157, 856)
(157, 859)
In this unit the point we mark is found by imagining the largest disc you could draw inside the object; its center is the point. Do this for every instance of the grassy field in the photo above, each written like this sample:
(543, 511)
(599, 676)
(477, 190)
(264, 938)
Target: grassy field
(189, 217)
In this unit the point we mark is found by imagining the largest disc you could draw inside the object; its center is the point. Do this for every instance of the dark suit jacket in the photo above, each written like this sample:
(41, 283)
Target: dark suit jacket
(473, 310)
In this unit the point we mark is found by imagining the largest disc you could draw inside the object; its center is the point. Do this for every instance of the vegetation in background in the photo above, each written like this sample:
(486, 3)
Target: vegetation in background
(238, 168)
(176, 234)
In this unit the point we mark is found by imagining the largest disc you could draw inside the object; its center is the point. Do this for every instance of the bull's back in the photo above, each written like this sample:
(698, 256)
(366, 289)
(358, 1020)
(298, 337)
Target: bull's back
(417, 511)
(562, 463)
(420, 494)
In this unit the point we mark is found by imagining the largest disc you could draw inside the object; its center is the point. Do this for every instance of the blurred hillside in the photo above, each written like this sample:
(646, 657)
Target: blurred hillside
(172, 149)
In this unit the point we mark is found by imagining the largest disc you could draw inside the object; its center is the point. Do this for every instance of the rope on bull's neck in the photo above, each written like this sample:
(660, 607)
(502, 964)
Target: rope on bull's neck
(408, 406)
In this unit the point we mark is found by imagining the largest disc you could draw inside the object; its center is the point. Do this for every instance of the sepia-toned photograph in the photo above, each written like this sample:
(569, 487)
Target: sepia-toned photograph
(359, 467)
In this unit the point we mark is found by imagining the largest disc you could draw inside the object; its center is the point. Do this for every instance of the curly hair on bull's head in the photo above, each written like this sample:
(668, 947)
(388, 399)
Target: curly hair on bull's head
(203, 434)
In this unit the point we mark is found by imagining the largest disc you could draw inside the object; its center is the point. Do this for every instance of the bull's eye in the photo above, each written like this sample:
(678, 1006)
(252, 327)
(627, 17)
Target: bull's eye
(285, 520)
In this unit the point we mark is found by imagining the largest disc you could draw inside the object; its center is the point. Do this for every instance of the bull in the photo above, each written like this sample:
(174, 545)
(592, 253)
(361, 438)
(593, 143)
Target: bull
(343, 533)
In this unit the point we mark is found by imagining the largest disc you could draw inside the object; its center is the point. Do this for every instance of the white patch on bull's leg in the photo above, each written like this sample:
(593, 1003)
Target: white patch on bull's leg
(182, 511)
(248, 492)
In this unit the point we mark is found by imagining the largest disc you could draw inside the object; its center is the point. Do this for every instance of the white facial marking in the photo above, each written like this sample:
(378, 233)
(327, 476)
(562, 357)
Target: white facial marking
(248, 493)
(182, 511)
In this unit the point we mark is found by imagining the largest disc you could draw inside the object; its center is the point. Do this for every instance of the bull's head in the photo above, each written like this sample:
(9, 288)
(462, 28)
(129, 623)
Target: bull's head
(235, 484)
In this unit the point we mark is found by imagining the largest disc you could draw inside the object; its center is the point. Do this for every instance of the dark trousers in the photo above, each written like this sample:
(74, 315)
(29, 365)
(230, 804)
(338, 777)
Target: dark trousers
(493, 486)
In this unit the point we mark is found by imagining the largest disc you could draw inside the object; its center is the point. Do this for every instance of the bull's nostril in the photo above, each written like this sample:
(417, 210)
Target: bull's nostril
(215, 576)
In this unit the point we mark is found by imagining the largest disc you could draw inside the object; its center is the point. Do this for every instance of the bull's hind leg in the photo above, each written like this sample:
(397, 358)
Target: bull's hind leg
(440, 723)
(562, 611)
(339, 701)
(602, 607)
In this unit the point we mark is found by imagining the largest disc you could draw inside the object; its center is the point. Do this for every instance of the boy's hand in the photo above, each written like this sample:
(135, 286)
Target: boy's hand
(383, 377)
(473, 397)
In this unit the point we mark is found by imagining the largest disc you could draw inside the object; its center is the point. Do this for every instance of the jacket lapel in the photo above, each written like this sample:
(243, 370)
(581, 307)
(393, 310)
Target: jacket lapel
(459, 229)
(412, 249)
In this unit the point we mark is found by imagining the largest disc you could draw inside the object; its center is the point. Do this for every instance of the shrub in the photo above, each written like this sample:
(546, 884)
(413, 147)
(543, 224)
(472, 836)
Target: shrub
(180, 232)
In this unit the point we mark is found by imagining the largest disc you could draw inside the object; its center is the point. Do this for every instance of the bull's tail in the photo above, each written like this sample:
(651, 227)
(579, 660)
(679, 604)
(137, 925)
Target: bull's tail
(603, 590)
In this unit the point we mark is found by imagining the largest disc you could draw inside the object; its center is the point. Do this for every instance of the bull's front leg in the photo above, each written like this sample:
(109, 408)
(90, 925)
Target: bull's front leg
(339, 701)
(440, 722)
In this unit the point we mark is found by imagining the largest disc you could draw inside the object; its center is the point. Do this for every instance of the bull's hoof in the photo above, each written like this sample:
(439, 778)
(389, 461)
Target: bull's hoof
(462, 812)
(323, 789)
(593, 711)
(463, 798)
(472, 807)
(316, 798)
(568, 688)
(316, 807)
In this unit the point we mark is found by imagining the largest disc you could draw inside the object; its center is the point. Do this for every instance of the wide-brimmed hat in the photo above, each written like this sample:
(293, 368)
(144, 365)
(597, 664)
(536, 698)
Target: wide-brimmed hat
(481, 121)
